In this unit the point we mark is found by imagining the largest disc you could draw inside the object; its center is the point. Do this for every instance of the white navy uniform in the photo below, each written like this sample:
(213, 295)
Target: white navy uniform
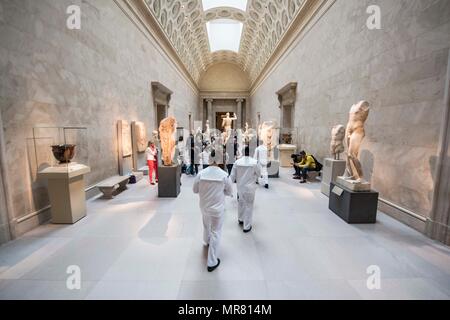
(246, 172)
(212, 185)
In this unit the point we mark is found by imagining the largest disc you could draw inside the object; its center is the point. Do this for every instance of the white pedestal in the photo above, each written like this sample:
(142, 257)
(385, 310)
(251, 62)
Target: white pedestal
(67, 192)
(353, 185)
(286, 150)
(331, 170)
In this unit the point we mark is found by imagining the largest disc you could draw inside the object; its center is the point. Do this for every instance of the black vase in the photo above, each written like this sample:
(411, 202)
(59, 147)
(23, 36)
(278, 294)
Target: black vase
(64, 153)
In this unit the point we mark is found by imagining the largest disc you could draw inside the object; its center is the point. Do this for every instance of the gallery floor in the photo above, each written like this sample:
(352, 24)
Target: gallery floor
(137, 246)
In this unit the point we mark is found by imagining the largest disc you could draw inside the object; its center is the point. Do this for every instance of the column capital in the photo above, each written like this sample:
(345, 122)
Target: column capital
(209, 100)
(240, 100)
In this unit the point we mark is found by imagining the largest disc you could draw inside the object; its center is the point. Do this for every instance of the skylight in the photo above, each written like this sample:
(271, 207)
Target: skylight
(238, 4)
(224, 34)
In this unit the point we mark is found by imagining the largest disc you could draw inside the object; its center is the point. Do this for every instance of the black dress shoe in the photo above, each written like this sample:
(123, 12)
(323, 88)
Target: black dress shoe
(241, 222)
(266, 186)
(296, 178)
(303, 181)
(211, 269)
(247, 231)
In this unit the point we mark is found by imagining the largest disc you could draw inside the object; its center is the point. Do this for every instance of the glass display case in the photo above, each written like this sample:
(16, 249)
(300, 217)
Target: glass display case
(61, 157)
(288, 136)
(59, 147)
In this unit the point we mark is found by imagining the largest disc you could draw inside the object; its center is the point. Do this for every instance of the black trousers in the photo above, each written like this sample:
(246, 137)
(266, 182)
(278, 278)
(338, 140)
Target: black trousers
(229, 168)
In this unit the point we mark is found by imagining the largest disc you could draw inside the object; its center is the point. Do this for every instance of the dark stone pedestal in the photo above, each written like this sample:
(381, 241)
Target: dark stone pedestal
(354, 207)
(169, 181)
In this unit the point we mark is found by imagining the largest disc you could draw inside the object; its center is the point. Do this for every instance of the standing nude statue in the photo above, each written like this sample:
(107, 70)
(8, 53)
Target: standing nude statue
(337, 141)
(354, 136)
(266, 135)
(227, 122)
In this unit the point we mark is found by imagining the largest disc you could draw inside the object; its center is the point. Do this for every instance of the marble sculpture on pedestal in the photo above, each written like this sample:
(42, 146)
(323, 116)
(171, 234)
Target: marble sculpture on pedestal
(354, 135)
(337, 141)
(167, 130)
(266, 135)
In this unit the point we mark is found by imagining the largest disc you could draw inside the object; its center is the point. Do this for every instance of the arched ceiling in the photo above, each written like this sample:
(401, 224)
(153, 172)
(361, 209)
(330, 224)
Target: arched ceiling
(265, 22)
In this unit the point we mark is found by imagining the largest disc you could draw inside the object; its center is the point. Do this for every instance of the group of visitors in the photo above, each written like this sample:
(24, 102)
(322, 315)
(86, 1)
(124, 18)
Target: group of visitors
(222, 165)
(304, 163)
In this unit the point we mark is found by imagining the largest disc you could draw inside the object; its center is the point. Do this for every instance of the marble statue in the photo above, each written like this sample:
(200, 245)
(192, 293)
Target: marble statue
(140, 136)
(155, 136)
(167, 130)
(207, 134)
(354, 135)
(227, 122)
(337, 141)
(248, 134)
(125, 128)
(266, 132)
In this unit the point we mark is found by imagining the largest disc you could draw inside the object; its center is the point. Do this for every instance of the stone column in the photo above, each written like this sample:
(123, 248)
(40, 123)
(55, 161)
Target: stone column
(239, 113)
(210, 113)
(281, 115)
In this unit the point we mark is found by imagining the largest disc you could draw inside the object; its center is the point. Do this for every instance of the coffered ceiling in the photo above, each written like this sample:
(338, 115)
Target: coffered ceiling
(265, 23)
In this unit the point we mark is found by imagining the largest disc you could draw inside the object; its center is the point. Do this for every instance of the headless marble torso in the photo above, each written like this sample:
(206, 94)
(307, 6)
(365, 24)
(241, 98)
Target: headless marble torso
(354, 136)
(166, 132)
(227, 123)
(337, 141)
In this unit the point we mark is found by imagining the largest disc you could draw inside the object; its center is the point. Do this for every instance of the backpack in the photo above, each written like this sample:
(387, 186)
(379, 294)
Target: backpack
(133, 179)
(319, 166)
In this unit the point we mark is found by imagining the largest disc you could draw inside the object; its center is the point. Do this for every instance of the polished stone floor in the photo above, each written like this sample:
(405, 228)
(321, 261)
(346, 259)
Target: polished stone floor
(137, 246)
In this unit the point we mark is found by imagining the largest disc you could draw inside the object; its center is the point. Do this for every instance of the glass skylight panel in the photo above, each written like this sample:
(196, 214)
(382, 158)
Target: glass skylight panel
(224, 34)
(238, 4)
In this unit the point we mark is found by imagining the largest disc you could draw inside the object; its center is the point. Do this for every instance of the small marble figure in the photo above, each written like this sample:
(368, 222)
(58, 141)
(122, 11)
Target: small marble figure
(337, 141)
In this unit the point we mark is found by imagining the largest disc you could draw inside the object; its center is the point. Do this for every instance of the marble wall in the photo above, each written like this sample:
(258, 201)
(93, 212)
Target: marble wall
(90, 77)
(4, 225)
(399, 69)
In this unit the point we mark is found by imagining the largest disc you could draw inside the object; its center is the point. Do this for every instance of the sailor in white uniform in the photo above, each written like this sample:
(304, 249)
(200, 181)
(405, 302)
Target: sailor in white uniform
(261, 155)
(212, 185)
(246, 172)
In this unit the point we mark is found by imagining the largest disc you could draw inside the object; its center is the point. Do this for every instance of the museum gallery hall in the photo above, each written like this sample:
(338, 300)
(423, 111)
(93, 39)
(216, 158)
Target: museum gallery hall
(225, 149)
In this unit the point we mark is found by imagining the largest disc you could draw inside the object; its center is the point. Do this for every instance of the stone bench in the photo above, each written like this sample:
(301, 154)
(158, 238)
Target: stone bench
(113, 185)
(144, 170)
